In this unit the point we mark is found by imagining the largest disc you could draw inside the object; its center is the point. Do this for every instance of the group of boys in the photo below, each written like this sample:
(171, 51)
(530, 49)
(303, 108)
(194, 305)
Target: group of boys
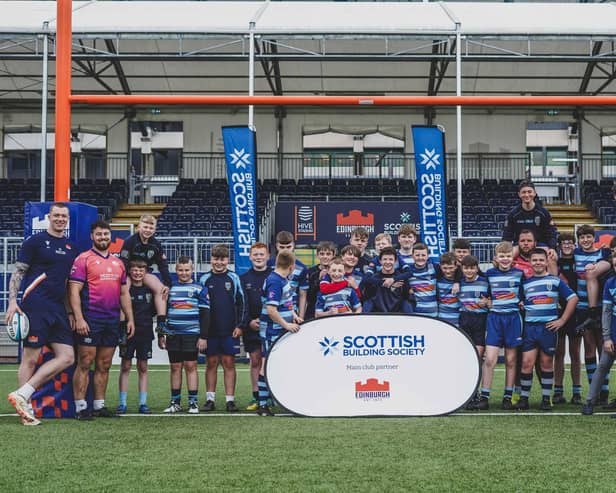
(276, 295)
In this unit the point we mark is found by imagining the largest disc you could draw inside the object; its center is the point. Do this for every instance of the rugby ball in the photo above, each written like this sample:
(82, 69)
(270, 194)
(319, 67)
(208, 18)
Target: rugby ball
(18, 327)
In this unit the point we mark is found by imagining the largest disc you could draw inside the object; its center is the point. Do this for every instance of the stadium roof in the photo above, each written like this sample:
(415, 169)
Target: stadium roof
(314, 47)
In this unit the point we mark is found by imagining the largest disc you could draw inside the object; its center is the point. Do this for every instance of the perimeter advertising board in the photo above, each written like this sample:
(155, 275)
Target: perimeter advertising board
(373, 365)
(311, 222)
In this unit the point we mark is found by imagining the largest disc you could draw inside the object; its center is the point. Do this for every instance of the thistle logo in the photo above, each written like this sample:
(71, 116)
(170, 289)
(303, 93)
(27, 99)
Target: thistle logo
(430, 159)
(329, 346)
(240, 158)
(405, 217)
(372, 390)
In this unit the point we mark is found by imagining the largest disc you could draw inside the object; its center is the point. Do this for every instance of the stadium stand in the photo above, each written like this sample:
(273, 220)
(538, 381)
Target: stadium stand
(106, 195)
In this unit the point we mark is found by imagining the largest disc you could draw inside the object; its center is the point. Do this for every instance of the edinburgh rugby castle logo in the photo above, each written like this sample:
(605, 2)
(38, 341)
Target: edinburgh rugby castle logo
(372, 390)
(354, 219)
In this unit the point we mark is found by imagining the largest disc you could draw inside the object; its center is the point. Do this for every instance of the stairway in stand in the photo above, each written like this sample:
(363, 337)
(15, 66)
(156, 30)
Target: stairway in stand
(130, 214)
(567, 216)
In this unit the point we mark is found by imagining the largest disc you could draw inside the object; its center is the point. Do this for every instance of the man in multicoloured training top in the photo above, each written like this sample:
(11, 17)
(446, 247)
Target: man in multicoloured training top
(97, 290)
(44, 262)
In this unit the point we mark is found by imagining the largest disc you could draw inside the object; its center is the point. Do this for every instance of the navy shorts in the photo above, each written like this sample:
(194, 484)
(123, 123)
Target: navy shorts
(141, 348)
(48, 325)
(252, 341)
(182, 347)
(474, 324)
(228, 346)
(504, 329)
(103, 333)
(537, 336)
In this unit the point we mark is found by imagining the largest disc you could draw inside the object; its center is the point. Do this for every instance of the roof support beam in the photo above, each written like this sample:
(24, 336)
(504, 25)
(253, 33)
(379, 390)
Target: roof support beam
(118, 67)
(438, 68)
(596, 49)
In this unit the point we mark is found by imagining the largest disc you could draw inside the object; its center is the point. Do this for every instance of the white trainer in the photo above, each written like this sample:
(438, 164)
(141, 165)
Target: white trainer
(174, 407)
(21, 406)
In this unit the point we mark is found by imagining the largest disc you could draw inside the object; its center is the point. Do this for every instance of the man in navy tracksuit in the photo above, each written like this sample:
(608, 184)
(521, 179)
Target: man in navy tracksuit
(226, 307)
(252, 286)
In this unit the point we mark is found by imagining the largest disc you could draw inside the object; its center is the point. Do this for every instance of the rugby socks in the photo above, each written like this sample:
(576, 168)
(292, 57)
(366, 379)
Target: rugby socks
(255, 395)
(264, 394)
(143, 398)
(229, 398)
(210, 396)
(559, 390)
(508, 393)
(591, 366)
(547, 380)
(485, 393)
(577, 390)
(98, 404)
(123, 398)
(193, 397)
(80, 405)
(526, 381)
(605, 387)
(26, 391)
(176, 395)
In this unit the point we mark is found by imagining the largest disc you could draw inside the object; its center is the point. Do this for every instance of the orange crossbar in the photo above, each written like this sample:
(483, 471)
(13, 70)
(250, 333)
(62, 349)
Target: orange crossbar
(150, 99)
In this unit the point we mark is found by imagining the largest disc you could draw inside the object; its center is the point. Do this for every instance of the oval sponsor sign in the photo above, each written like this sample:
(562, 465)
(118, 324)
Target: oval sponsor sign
(373, 365)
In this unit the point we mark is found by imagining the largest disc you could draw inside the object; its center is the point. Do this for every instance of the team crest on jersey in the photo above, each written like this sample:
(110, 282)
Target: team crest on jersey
(150, 254)
(228, 286)
(512, 283)
(148, 298)
(537, 220)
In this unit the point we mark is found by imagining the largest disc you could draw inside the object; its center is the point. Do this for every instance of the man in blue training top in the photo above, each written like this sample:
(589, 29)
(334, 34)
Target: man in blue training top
(226, 306)
(542, 292)
(277, 317)
(44, 261)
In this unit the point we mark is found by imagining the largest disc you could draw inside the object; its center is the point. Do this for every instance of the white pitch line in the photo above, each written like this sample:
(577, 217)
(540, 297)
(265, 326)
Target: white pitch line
(289, 415)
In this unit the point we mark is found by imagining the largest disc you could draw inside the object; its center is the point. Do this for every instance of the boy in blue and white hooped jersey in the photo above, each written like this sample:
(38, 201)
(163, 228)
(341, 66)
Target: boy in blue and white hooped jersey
(277, 316)
(407, 237)
(421, 279)
(542, 293)
(609, 337)
(590, 263)
(344, 300)
(475, 302)
(504, 323)
(299, 278)
(447, 294)
(182, 336)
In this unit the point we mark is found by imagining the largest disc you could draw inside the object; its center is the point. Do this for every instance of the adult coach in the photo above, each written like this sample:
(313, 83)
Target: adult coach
(44, 262)
(529, 215)
(97, 290)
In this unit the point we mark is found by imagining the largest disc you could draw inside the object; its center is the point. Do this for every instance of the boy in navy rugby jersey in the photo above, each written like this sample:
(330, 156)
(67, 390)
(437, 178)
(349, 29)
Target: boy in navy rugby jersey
(609, 336)
(252, 286)
(359, 238)
(384, 294)
(566, 270)
(590, 262)
(277, 317)
(461, 248)
(145, 246)
(542, 292)
(504, 323)
(182, 337)
(226, 307)
(326, 251)
(140, 345)
(343, 300)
